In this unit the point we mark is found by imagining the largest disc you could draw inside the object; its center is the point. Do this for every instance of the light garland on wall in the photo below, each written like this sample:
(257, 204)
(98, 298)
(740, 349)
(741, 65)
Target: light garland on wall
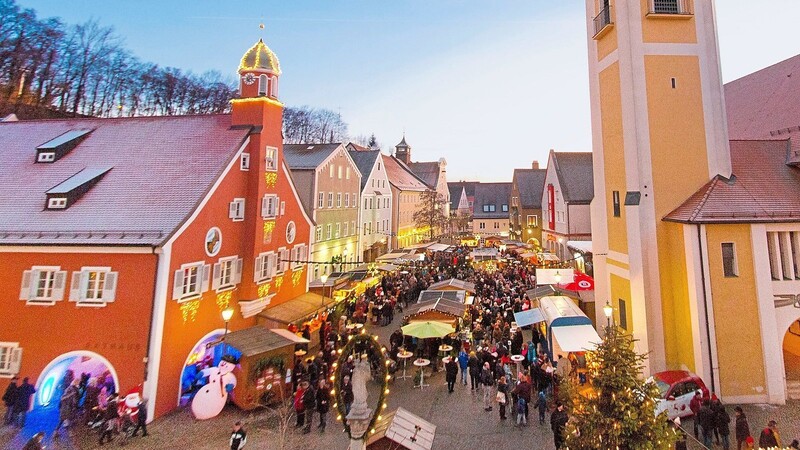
(271, 101)
(271, 179)
(223, 300)
(263, 289)
(373, 350)
(189, 310)
(297, 275)
(269, 226)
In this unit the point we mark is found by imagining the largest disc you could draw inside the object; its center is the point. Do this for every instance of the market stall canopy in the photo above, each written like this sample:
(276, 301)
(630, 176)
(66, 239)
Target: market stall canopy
(391, 256)
(562, 311)
(404, 430)
(576, 338)
(448, 302)
(581, 246)
(549, 257)
(438, 247)
(387, 267)
(481, 254)
(528, 255)
(256, 340)
(528, 317)
(542, 291)
(453, 284)
(419, 246)
(429, 329)
(298, 308)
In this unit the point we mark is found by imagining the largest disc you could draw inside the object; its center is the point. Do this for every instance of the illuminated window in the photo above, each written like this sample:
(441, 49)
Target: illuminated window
(271, 159)
(190, 281)
(10, 358)
(43, 285)
(93, 286)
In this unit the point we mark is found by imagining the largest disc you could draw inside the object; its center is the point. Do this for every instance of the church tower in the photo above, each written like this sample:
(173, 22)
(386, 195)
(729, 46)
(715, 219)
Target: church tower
(659, 133)
(402, 151)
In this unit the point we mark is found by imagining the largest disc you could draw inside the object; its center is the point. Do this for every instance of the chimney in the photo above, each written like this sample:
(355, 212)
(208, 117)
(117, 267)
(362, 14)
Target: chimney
(535, 165)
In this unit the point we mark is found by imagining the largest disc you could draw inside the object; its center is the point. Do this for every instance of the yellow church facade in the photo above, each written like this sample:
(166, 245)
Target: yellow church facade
(684, 251)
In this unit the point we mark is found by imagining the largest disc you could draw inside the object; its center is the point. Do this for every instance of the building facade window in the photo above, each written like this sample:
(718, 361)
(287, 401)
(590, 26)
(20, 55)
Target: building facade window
(236, 210)
(319, 233)
(298, 256)
(329, 231)
(265, 266)
(10, 358)
(533, 221)
(190, 281)
(269, 206)
(623, 314)
(347, 200)
(615, 201)
(93, 286)
(729, 265)
(271, 160)
(783, 248)
(43, 285)
(338, 229)
(321, 200)
(227, 273)
(244, 162)
(330, 199)
(339, 200)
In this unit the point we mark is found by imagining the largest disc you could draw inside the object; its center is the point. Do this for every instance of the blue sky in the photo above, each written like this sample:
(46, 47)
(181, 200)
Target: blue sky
(489, 85)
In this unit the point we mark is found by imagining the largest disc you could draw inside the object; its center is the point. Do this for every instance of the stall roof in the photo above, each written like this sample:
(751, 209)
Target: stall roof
(550, 257)
(438, 247)
(256, 340)
(582, 246)
(387, 267)
(484, 253)
(542, 291)
(419, 246)
(405, 429)
(453, 282)
(576, 338)
(297, 308)
(391, 256)
(528, 317)
(448, 302)
(562, 311)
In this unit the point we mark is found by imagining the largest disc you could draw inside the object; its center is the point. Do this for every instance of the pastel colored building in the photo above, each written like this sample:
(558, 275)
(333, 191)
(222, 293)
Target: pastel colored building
(376, 203)
(525, 216)
(491, 216)
(568, 191)
(407, 190)
(126, 238)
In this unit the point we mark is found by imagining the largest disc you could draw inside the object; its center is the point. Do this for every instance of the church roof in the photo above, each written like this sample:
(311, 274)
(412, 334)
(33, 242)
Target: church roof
(763, 189)
(530, 183)
(161, 168)
(260, 57)
(402, 143)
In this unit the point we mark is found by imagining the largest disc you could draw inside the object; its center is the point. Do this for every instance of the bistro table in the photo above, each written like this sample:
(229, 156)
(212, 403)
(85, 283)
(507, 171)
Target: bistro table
(518, 359)
(422, 363)
(404, 355)
(444, 350)
(300, 353)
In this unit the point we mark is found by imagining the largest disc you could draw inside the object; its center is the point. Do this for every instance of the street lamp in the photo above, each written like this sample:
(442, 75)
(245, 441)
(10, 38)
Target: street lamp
(324, 279)
(227, 315)
(608, 310)
(557, 277)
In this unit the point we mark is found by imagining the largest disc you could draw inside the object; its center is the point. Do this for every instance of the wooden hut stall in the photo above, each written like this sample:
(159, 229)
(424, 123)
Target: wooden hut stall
(401, 430)
(265, 367)
(453, 284)
(439, 306)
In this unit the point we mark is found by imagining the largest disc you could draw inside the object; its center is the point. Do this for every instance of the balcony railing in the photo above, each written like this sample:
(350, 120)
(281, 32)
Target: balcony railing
(602, 20)
(678, 7)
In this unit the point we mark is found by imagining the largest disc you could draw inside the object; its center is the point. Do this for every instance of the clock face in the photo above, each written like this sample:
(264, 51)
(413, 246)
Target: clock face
(291, 232)
(249, 79)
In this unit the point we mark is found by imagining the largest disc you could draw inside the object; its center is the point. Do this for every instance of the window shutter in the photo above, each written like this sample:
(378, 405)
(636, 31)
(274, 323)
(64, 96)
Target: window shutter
(257, 268)
(264, 206)
(177, 285)
(110, 287)
(233, 210)
(206, 269)
(59, 285)
(27, 281)
(237, 271)
(283, 208)
(75, 287)
(15, 361)
(215, 281)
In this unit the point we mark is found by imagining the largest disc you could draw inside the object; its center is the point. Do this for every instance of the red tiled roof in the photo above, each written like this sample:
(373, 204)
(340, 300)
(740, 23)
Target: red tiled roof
(763, 188)
(764, 103)
(162, 169)
(401, 177)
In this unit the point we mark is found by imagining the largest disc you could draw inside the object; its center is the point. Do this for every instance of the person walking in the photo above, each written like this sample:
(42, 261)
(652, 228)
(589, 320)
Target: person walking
(541, 405)
(694, 405)
(769, 436)
(347, 394)
(451, 373)
(474, 370)
(299, 409)
(502, 396)
(141, 418)
(558, 421)
(706, 420)
(9, 397)
(111, 418)
(722, 422)
(463, 364)
(238, 436)
(523, 393)
(742, 428)
(22, 402)
(323, 403)
(309, 403)
(487, 379)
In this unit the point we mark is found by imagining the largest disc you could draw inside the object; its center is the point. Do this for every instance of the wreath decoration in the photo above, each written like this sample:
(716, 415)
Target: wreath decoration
(360, 344)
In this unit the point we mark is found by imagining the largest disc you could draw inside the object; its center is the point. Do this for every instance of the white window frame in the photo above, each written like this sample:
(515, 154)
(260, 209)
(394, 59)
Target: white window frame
(330, 199)
(338, 199)
(271, 159)
(236, 210)
(262, 85)
(329, 231)
(57, 203)
(179, 285)
(227, 273)
(55, 291)
(46, 157)
(244, 162)
(269, 206)
(338, 230)
(298, 256)
(318, 233)
(347, 200)
(81, 286)
(282, 264)
(346, 229)
(10, 359)
(264, 267)
(321, 200)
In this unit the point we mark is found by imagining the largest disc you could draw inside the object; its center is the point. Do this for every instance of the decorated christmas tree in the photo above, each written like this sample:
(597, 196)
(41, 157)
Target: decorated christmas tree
(619, 410)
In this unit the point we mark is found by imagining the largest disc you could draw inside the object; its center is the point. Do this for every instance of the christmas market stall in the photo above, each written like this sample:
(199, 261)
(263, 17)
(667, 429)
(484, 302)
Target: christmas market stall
(453, 284)
(485, 258)
(307, 309)
(266, 361)
(440, 306)
(568, 328)
(401, 430)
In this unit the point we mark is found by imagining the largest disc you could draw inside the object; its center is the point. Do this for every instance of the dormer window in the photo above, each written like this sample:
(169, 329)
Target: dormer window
(57, 148)
(72, 189)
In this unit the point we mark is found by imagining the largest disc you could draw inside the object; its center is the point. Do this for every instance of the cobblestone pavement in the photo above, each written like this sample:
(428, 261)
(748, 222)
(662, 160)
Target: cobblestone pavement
(459, 417)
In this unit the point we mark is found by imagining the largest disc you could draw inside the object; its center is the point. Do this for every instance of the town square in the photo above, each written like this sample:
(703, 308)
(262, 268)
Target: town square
(410, 225)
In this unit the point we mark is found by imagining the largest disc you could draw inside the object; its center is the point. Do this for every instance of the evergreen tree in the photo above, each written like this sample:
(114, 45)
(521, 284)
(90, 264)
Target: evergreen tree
(619, 412)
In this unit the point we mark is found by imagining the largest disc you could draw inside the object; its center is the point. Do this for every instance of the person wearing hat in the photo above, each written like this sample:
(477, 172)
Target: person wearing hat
(9, 397)
(742, 428)
(769, 436)
(694, 405)
(238, 436)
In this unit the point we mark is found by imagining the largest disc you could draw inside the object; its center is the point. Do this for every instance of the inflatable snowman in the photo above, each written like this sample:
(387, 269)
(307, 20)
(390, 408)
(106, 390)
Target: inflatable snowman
(211, 398)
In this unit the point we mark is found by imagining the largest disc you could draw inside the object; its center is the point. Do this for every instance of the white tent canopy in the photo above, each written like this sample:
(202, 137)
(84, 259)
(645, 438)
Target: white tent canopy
(576, 338)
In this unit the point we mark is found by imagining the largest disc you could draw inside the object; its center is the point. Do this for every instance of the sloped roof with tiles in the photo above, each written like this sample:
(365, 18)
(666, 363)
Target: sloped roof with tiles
(530, 183)
(575, 175)
(427, 172)
(307, 156)
(401, 177)
(160, 170)
(496, 194)
(763, 189)
(365, 161)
